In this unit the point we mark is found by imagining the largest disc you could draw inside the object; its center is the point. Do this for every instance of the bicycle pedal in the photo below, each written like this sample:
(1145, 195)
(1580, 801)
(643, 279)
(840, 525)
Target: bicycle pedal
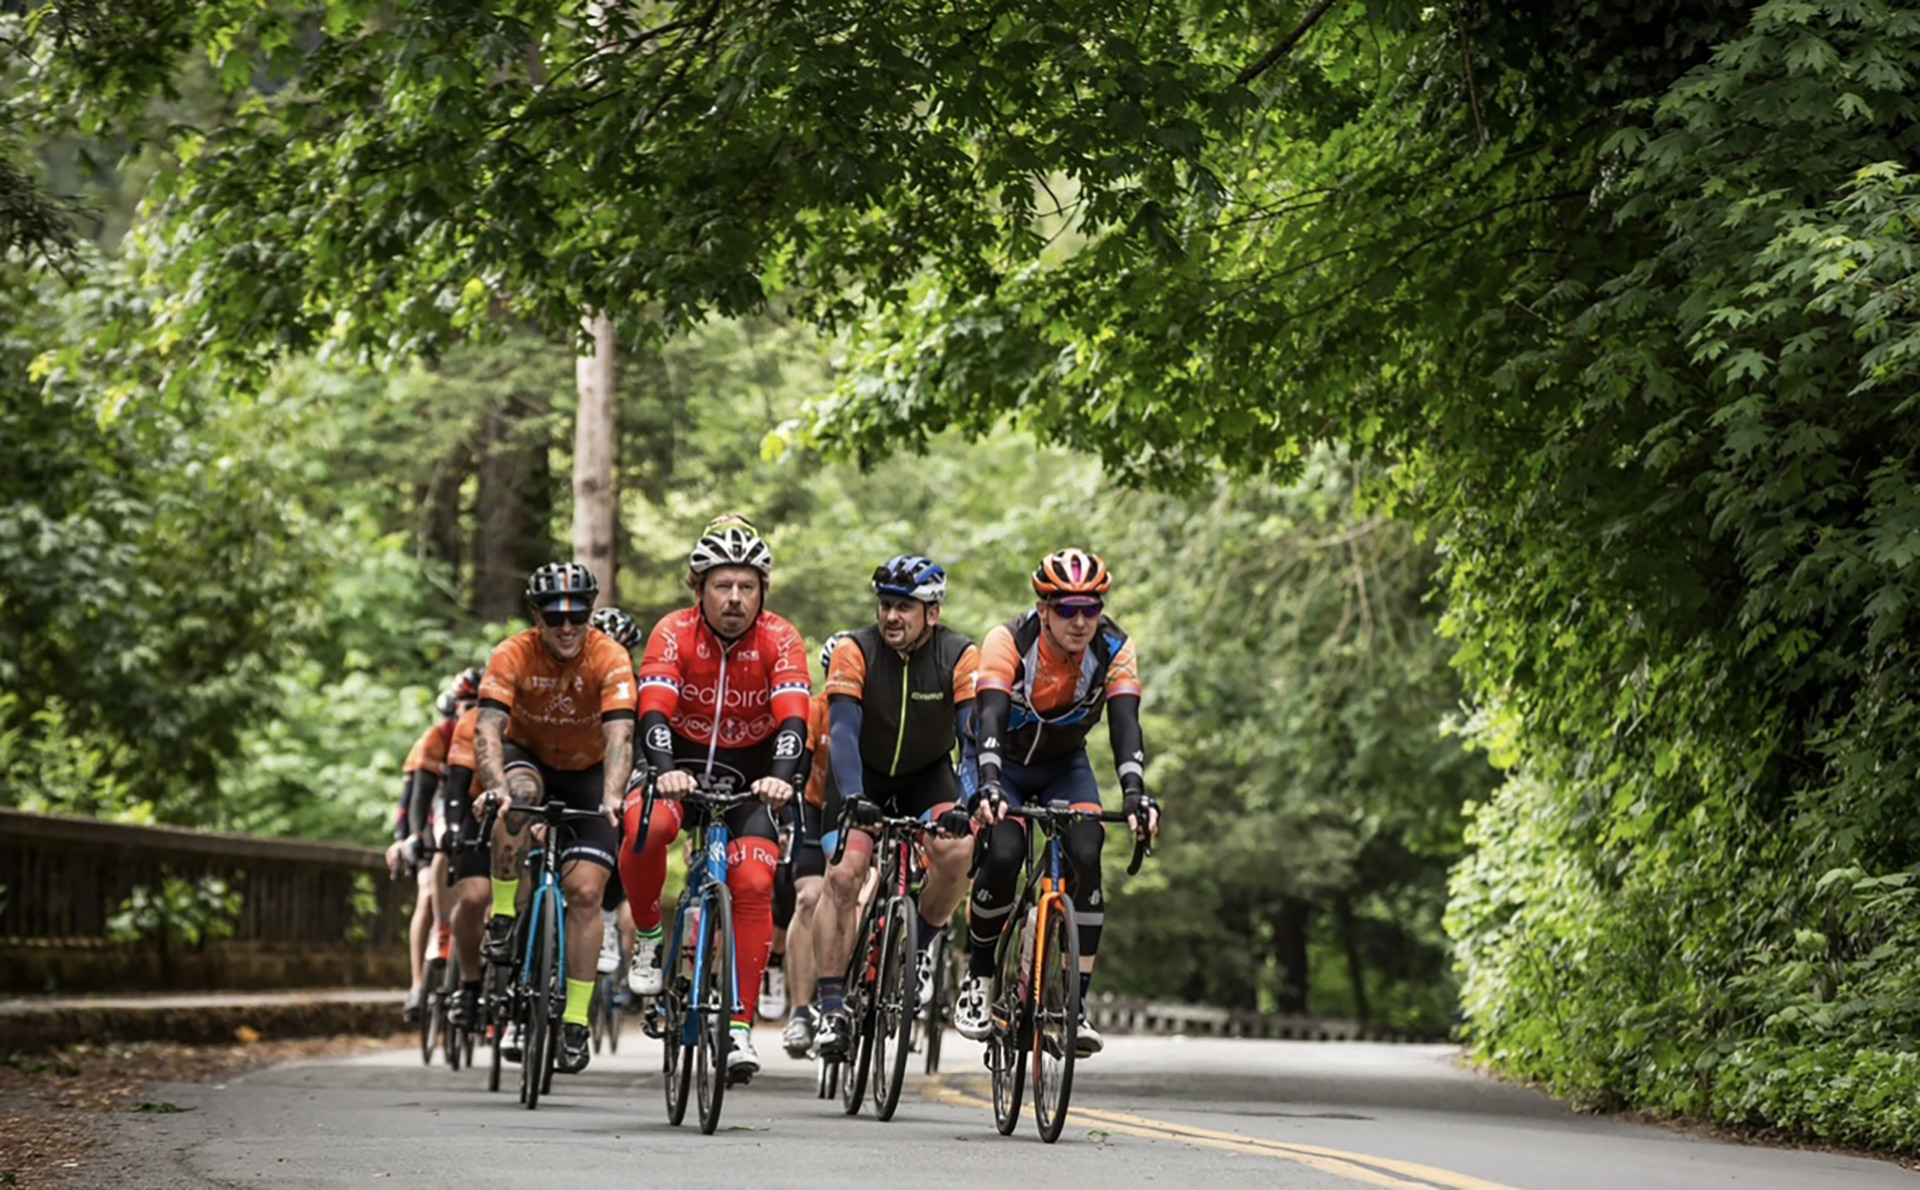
(738, 1078)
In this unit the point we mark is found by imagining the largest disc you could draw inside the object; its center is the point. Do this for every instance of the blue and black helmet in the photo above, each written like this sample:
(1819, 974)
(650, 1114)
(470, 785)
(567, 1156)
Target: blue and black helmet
(910, 576)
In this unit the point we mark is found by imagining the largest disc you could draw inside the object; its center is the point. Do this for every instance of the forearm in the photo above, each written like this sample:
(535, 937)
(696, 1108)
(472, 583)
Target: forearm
(490, 749)
(789, 741)
(656, 741)
(420, 802)
(843, 726)
(1129, 746)
(995, 707)
(617, 764)
(963, 717)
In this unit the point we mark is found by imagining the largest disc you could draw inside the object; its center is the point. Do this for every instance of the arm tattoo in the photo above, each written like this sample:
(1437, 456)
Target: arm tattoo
(490, 749)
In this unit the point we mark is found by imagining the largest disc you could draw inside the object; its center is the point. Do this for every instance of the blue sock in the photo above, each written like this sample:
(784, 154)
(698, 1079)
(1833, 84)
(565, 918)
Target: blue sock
(832, 993)
(1086, 980)
(926, 932)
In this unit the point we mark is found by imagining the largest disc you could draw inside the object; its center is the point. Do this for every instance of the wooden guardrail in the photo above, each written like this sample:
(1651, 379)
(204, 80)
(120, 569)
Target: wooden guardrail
(1126, 1014)
(309, 914)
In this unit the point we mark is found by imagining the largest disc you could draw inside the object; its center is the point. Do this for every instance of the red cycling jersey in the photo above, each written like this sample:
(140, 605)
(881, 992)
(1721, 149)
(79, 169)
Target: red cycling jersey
(730, 693)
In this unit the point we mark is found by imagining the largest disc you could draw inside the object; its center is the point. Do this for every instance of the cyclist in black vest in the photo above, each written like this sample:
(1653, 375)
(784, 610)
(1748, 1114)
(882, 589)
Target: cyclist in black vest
(1045, 679)
(899, 697)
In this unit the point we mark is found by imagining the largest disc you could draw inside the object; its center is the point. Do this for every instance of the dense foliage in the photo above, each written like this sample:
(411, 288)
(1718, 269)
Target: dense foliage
(1613, 303)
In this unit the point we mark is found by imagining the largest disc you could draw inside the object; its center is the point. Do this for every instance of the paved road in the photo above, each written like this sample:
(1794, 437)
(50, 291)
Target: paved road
(1149, 1111)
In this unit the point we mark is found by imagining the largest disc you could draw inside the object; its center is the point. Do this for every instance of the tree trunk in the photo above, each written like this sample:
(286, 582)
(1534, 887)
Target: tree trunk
(594, 529)
(515, 506)
(1356, 970)
(1290, 948)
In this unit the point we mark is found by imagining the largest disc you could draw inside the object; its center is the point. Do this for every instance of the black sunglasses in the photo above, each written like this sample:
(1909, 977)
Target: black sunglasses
(1091, 610)
(575, 618)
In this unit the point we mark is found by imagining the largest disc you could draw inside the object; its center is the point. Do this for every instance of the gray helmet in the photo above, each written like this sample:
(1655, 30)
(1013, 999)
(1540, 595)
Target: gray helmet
(562, 587)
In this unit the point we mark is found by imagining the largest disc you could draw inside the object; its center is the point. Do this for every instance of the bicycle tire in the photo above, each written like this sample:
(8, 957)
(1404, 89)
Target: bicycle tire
(826, 1078)
(1006, 1055)
(894, 1008)
(533, 1053)
(609, 1004)
(429, 984)
(936, 1008)
(862, 975)
(1056, 976)
(714, 997)
(555, 927)
(491, 1023)
(450, 1037)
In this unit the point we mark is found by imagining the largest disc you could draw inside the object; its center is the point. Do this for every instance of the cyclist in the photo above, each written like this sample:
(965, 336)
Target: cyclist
(809, 867)
(900, 695)
(618, 911)
(415, 829)
(1045, 678)
(557, 722)
(470, 867)
(724, 695)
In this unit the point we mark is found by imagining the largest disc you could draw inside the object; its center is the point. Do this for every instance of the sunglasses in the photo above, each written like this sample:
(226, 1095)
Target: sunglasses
(1091, 609)
(575, 618)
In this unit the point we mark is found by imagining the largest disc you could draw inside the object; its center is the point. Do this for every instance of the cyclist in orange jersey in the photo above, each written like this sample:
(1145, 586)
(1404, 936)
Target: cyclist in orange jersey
(556, 723)
(416, 830)
(1045, 678)
(809, 866)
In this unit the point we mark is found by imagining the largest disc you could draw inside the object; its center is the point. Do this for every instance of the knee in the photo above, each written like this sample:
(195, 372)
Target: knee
(1084, 842)
(845, 878)
(950, 856)
(806, 896)
(474, 895)
(584, 887)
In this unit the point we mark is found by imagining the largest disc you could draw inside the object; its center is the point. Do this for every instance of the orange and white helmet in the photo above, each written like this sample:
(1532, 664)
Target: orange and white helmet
(1071, 572)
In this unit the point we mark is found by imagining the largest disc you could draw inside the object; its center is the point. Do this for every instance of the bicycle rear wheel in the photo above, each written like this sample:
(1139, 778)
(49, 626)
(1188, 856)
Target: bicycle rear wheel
(492, 997)
(1006, 1051)
(714, 1004)
(936, 1011)
(429, 1032)
(450, 1037)
(1056, 973)
(893, 1009)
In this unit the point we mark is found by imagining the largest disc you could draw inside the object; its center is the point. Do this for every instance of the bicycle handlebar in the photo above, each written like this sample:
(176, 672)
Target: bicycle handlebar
(882, 824)
(1058, 814)
(703, 795)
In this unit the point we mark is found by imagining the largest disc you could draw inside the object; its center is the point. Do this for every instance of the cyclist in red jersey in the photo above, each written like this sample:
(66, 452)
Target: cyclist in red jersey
(724, 695)
(556, 723)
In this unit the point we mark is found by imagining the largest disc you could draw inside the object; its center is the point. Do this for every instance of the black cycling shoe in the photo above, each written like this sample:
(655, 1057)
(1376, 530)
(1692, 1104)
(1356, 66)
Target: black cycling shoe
(497, 946)
(831, 1038)
(464, 1012)
(575, 1048)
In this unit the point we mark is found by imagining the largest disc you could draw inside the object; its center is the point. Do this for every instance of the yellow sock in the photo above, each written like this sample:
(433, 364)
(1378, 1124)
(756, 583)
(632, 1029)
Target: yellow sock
(579, 1000)
(504, 891)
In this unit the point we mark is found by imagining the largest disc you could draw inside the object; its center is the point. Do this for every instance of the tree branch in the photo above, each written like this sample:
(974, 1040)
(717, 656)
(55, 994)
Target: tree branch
(1273, 56)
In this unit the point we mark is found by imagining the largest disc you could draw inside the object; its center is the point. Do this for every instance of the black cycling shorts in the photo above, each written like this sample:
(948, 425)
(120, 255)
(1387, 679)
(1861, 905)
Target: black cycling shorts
(913, 793)
(590, 840)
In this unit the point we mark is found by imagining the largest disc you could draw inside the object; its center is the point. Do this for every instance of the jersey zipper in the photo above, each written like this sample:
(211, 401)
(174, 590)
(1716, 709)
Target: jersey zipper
(900, 745)
(719, 707)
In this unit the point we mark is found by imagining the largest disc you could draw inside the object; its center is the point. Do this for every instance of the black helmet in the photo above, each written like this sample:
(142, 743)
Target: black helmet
(623, 628)
(562, 587)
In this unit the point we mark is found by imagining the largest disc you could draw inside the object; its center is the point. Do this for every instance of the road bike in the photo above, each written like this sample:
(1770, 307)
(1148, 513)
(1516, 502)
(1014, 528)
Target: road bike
(700, 989)
(1035, 993)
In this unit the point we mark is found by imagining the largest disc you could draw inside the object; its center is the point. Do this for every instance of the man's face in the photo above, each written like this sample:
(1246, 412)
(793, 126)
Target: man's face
(1071, 621)
(564, 633)
(904, 621)
(730, 598)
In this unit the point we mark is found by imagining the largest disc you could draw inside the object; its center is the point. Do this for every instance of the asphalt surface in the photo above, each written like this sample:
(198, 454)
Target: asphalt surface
(1147, 1112)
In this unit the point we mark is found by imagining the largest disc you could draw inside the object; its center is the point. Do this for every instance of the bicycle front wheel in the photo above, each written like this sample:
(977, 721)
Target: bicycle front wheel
(676, 1006)
(536, 1052)
(610, 1010)
(1056, 974)
(429, 1030)
(714, 999)
(893, 1009)
(863, 977)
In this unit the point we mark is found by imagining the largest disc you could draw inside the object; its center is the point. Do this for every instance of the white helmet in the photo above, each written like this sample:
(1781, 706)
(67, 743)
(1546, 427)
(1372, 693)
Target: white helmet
(731, 545)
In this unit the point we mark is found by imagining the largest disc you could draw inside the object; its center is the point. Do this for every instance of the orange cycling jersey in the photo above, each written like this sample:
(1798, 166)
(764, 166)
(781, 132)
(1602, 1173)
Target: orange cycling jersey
(1056, 699)
(460, 747)
(555, 708)
(817, 729)
(429, 752)
(731, 695)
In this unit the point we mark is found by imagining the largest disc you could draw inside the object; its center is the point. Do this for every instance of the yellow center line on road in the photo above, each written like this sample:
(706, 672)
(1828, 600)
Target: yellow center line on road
(1358, 1167)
